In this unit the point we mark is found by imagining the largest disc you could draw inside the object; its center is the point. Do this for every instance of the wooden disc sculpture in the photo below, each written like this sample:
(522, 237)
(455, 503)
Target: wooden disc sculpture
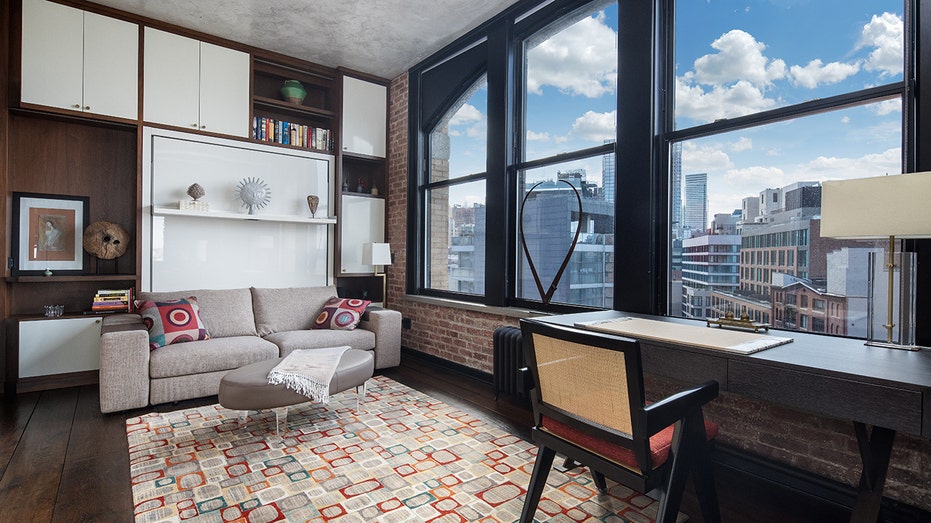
(105, 240)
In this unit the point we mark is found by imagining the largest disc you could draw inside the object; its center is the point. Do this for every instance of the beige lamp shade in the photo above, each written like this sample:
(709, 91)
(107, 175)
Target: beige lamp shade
(876, 208)
(376, 254)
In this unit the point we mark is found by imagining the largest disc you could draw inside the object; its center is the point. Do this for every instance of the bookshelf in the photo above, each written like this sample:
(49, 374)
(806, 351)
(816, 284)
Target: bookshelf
(316, 111)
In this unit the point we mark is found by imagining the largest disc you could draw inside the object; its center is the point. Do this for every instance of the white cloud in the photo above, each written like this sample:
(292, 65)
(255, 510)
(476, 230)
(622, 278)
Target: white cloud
(468, 121)
(832, 168)
(756, 176)
(816, 73)
(538, 137)
(579, 60)
(703, 159)
(466, 114)
(885, 34)
(742, 98)
(845, 119)
(886, 107)
(739, 57)
(595, 127)
(742, 144)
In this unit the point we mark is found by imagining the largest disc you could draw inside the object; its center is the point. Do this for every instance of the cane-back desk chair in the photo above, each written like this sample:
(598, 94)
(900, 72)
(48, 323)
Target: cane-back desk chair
(589, 406)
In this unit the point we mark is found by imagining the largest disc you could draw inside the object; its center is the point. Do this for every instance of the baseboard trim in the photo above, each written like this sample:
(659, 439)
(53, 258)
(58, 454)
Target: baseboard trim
(812, 485)
(448, 365)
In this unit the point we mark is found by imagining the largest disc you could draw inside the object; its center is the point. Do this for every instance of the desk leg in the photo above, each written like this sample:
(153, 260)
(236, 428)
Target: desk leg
(875, 449)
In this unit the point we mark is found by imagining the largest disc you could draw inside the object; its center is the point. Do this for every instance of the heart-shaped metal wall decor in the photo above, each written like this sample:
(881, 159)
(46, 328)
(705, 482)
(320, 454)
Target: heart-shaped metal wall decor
(540, 222)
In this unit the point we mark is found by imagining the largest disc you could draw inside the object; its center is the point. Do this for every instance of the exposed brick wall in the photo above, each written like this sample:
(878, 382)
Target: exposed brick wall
(818, 444)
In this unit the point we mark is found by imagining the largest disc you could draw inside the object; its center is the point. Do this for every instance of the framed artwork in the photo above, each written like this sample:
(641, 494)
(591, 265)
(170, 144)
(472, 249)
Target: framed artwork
(47, 233)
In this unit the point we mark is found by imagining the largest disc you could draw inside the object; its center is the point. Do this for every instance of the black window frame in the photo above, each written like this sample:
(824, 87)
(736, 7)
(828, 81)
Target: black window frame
(644, 133)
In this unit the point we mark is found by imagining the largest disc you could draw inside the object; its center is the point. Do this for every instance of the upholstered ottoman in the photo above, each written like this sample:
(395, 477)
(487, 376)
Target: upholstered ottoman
(247, 388)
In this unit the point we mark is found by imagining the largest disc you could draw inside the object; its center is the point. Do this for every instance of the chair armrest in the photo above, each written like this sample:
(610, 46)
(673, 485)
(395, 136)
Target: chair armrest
(386, 324)
(663, 413)
(124, 363)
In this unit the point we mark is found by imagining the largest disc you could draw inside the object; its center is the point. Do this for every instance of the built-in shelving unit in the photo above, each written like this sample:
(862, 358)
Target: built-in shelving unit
(223, 215)
(316, 111)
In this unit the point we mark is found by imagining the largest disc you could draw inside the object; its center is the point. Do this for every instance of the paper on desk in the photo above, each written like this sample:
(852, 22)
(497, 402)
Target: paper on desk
(709, 338)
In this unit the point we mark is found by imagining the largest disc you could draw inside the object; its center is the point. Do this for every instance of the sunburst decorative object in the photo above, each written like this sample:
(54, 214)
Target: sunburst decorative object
(254, 193)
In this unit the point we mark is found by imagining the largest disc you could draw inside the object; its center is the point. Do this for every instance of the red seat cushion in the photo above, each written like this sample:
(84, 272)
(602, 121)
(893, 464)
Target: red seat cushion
(659, 442)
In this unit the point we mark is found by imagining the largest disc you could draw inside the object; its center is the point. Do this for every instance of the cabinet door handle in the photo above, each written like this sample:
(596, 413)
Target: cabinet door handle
(194, 125)
(203, 126)
(87, 108)
(76, 106)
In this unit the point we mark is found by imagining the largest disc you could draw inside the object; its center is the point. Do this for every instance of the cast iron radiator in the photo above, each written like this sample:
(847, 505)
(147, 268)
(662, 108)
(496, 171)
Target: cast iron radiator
(509, 359)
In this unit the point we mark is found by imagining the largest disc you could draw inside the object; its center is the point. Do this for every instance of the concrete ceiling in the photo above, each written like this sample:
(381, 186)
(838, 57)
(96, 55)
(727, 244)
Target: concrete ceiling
(380, 37)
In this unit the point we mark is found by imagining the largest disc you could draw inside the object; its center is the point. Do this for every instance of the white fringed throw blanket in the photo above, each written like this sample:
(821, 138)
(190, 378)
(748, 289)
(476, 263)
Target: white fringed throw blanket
(308, 372)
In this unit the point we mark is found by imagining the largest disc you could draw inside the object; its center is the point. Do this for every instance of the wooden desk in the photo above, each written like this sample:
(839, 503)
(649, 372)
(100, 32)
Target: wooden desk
(887, 389)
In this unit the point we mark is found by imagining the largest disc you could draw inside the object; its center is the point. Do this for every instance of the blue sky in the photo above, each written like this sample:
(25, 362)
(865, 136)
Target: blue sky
(732, 58)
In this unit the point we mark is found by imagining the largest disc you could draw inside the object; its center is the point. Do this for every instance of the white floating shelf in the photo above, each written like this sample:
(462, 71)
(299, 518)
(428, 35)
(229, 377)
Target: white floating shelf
(226, 215)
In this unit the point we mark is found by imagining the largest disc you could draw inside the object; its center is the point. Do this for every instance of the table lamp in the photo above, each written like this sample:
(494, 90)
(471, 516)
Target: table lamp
(378, 254)
(876, 208)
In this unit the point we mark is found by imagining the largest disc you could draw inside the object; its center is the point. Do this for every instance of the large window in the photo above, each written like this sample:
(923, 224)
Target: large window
(455, 196)
(569, 111)
(750, 151)
(697, 136)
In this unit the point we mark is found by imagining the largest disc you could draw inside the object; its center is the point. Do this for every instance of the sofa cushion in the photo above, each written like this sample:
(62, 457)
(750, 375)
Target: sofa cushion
(317, 339)
(197, 357)
(225, 312)
(341, 314)
(170, 322)
(288, 309)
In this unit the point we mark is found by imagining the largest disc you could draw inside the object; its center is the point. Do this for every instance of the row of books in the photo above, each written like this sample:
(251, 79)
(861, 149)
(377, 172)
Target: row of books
(117, 300)
(287, 133)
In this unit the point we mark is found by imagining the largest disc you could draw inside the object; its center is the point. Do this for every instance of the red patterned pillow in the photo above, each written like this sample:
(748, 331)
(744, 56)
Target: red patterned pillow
(172, 321)
(341, 314)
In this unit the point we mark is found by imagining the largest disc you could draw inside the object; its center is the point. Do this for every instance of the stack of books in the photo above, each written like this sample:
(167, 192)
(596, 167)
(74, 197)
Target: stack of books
(119, 300)
(288, 133)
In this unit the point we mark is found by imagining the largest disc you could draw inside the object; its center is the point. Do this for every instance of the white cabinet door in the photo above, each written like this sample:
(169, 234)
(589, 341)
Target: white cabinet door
(364, 117)
(111, 66)
(171, 79)
(362, 220)
(224, 90)
(52, 57)
(58, 346)
(78, 60)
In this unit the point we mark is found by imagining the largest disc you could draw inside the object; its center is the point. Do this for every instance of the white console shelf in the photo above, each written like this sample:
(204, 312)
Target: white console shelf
(167, 211)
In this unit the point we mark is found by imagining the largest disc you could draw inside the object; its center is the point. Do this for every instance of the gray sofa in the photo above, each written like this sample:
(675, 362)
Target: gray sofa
(245, 326)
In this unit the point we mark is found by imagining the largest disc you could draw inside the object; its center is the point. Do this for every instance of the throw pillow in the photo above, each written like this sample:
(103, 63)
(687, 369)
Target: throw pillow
(172, 321)
(341, 314)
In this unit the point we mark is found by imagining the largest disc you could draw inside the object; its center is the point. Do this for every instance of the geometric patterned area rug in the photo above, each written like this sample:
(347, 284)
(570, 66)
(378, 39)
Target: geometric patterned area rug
(405, 457)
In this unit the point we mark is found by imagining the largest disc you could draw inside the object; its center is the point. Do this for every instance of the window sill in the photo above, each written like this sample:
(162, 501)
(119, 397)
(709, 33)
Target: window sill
(513, 312)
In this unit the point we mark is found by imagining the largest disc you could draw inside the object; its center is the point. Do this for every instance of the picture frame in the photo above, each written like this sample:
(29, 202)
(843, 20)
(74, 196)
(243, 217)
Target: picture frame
(47, 234)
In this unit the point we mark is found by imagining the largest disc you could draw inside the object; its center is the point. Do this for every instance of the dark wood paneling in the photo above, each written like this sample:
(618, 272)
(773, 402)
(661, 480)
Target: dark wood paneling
(875, 405)
(68, 156)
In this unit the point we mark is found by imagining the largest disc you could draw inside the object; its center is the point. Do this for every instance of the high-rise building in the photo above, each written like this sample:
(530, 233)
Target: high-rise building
(675, 190)
(608, 176)
(696, 201)
(709, 263)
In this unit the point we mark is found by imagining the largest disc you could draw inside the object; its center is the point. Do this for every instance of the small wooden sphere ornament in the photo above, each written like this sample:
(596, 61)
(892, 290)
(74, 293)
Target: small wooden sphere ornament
(105, 240)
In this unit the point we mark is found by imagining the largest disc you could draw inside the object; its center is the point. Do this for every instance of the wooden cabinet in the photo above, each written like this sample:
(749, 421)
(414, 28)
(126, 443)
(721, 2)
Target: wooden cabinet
(362, 220)
(81, 61)
(365, 114)
(195, 85)
(314, 117)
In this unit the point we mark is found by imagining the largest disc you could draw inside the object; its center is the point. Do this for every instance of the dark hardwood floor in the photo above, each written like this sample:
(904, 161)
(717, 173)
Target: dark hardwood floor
(62, 460)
